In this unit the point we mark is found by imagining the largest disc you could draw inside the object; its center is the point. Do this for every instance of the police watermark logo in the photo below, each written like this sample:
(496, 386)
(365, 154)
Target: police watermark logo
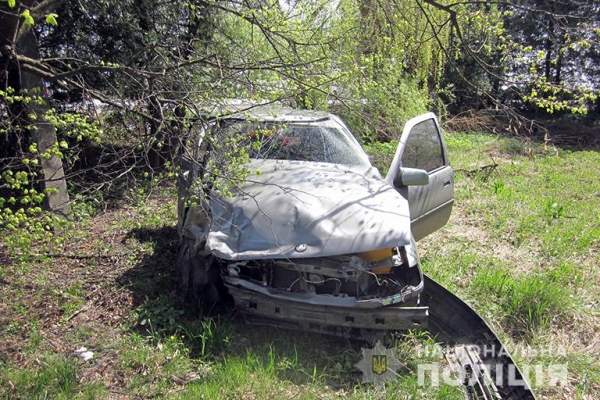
(378, 365)
(463, 361)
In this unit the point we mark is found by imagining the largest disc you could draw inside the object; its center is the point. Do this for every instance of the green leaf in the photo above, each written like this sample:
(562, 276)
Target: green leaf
(12, 3)
(51, 19)
(28, 18)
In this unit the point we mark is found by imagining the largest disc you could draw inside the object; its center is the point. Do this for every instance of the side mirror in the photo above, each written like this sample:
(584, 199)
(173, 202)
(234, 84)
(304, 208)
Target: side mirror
(411, 177)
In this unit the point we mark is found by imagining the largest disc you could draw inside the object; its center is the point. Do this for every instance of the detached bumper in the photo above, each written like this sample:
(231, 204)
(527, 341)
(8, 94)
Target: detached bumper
(317, 317)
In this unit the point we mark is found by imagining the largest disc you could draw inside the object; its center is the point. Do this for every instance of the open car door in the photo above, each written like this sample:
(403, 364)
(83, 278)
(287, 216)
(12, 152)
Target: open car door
(422, 148)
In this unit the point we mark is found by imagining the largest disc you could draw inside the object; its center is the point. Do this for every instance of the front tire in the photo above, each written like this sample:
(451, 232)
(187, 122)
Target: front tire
(198, 276)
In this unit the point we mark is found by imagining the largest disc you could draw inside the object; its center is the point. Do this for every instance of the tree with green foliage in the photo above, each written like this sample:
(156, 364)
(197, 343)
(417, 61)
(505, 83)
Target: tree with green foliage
(558, 61)
(31, 156)
(159, 69)
(31, 169)
(524, 53)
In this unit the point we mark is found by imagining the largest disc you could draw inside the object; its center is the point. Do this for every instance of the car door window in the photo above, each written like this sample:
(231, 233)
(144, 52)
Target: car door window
(424, 149)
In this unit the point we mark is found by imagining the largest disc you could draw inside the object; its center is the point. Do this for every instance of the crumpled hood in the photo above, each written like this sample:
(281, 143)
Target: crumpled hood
(303, 209)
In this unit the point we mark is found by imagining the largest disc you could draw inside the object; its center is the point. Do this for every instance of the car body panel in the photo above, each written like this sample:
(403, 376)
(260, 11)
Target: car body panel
(316, 316)
(431, 204)
(327, 209)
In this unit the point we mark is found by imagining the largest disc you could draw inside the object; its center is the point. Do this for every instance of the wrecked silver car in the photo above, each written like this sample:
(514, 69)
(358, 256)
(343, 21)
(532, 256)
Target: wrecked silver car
(311, 236)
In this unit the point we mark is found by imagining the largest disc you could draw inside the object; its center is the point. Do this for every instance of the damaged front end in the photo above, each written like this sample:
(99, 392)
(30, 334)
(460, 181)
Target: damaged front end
(373, 290)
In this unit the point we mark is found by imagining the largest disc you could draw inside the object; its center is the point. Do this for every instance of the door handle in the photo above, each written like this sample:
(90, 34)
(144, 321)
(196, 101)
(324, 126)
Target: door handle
(447, 183)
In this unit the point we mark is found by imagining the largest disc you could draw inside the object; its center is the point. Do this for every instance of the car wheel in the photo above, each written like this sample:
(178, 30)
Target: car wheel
(198, 275)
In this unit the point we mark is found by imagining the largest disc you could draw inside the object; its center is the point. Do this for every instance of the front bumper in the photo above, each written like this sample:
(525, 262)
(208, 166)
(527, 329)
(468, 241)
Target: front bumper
(318, 317)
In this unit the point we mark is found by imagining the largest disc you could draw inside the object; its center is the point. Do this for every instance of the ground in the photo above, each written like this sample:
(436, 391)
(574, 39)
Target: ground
(521, 247)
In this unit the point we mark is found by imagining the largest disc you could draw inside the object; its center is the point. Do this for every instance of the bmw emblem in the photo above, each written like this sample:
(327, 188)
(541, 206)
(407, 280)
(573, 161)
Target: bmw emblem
(301, 248)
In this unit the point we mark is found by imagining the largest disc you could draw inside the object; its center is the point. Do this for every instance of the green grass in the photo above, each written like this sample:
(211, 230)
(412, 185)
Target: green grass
(53, 376)
(527, 304)
(521, 247)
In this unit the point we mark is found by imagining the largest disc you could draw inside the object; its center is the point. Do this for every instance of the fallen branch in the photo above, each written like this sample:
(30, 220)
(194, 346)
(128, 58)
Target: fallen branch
(77, 256)
(487, 169)
(76, 313)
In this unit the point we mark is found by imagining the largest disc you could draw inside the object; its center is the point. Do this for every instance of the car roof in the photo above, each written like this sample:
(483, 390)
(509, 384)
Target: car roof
(287, 114)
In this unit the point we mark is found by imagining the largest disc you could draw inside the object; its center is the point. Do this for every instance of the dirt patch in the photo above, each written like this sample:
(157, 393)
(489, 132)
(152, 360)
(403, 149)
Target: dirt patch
(83, 293)
(469, 231)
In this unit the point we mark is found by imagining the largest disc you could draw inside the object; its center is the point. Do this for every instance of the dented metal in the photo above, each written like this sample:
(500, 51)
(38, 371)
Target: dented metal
(299, 209)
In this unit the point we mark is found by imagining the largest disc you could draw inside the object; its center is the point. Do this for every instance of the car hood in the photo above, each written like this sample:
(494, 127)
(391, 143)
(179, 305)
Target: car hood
(298, 209)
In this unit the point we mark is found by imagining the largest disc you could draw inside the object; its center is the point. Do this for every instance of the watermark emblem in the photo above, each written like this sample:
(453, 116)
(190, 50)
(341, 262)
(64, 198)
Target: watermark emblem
(378, 365)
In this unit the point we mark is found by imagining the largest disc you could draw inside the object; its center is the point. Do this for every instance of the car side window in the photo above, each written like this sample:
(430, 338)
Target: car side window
(424, 149)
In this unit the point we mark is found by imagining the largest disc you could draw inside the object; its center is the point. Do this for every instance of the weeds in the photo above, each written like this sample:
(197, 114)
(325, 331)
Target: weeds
(553, 209)
(528, 304)
(209, 337)
(52, 377)
(158, 316)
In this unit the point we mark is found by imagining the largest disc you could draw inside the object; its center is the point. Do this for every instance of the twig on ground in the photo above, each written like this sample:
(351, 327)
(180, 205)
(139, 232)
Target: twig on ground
(487, 169)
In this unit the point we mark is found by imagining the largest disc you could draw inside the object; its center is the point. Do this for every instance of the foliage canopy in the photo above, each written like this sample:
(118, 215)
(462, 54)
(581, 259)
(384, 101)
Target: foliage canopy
(150, 72)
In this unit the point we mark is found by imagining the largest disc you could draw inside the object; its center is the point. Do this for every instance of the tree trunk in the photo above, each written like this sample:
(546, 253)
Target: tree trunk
(548, 47)
(44, 135)
(559, 61)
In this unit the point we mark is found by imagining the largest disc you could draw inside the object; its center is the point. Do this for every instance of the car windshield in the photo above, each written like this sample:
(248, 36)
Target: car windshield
(321, 141)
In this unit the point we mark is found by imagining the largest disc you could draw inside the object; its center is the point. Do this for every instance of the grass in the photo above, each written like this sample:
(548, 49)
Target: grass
(528, 304)
(521, 247)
